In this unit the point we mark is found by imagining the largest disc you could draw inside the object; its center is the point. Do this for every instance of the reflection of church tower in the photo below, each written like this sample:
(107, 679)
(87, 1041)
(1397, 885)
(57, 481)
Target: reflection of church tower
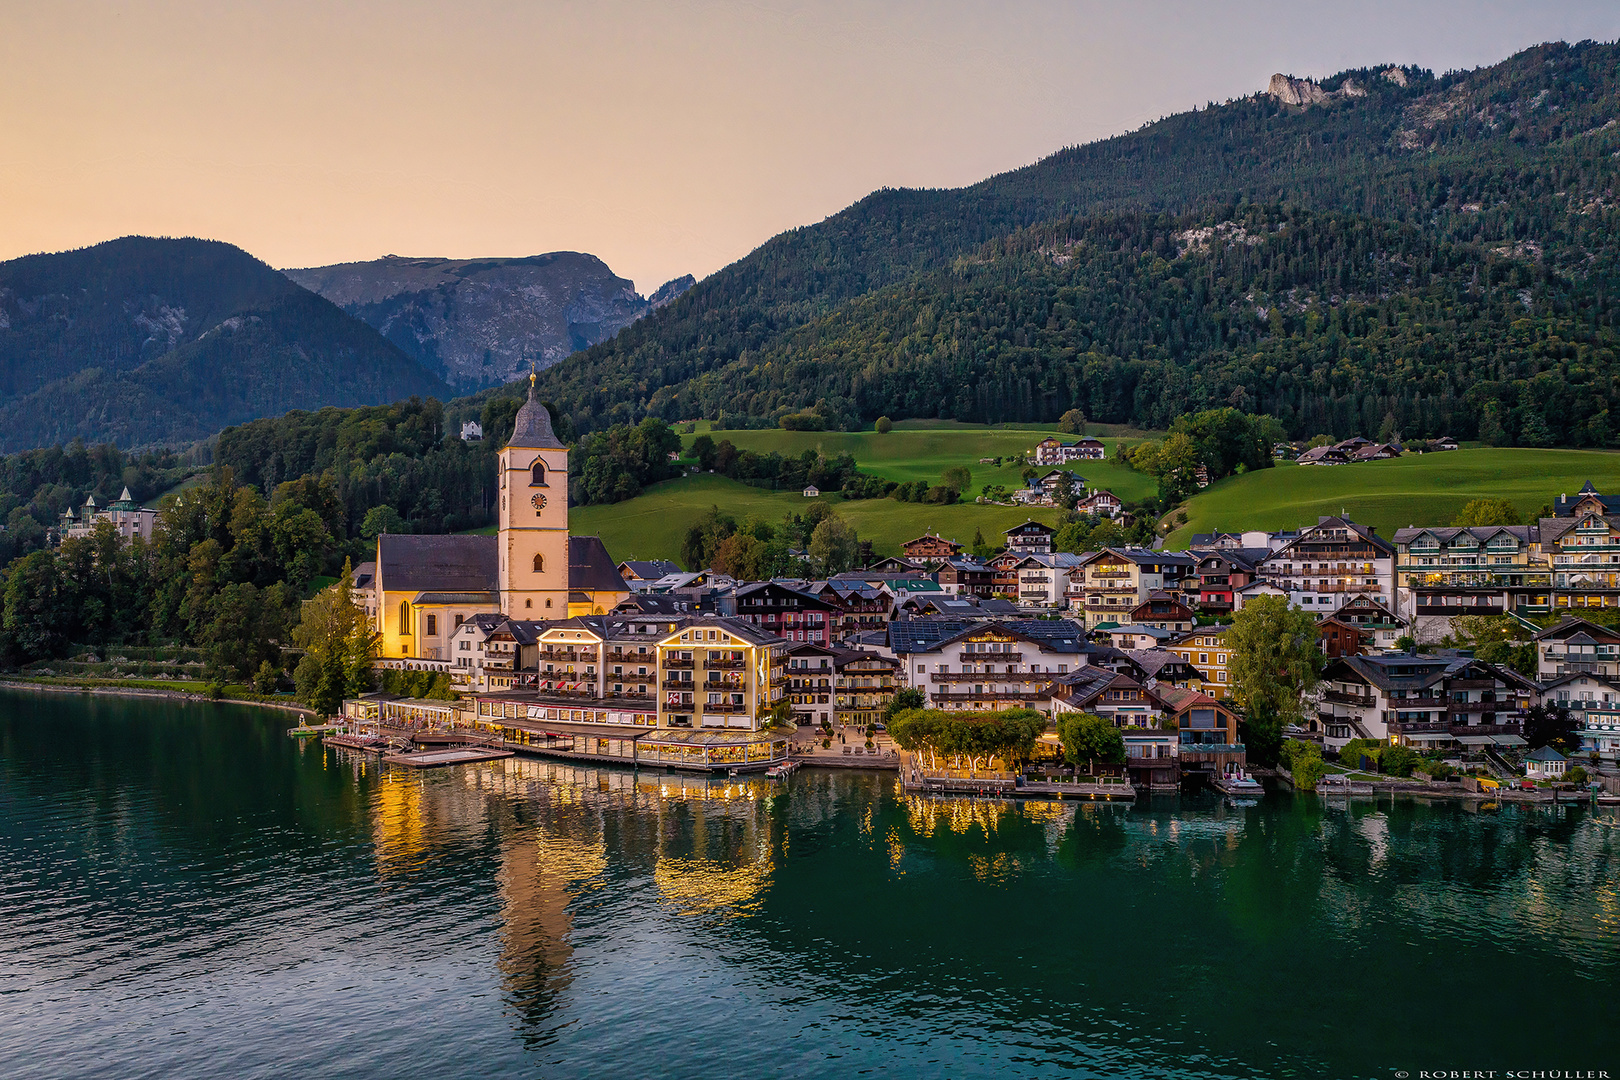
(534, 517)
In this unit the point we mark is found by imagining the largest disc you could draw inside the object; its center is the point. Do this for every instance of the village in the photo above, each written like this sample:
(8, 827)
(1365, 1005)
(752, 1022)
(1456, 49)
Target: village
(551, 648)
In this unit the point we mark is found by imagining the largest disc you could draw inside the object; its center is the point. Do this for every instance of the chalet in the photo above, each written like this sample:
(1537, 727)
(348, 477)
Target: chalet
(1441, 573)
(1030, 538)
(1376, 452)
(1045, 579)
(863, 683)
(1324, 455)
(1099, 502)
(929, 548)
(1112, 695)
(1132, 636)
(1545, 763)
(1208, 732)
(1220, 573)
(1164, 611)
(1444, 442)
(1051, 451)
(787, 612)
(1113, 582)
(1376, 626)
(857, 606)
(643, 572)
(964, 576)
(1051, 482)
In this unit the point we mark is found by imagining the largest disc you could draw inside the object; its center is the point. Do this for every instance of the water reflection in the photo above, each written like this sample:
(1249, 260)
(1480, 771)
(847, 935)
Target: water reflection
(521, 916)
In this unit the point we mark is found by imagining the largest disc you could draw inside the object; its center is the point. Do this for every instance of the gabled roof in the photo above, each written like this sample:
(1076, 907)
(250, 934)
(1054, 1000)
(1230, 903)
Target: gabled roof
(1573, 676)
(1178, 700)
(1571, 625)
(650, 569)
(409, 563)
(928, 635)
(590, 568)
(1544, 753)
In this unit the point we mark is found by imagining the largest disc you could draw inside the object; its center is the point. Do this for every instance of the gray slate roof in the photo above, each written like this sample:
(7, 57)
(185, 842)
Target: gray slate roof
(438, 563)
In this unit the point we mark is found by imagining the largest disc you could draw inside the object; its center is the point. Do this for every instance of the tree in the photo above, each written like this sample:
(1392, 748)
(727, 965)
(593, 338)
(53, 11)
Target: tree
(905, 698)
(1488, 512)
(1072, 422)
(704, 450)
(884, 425)
(339, 647)
(832, 547)
(958, 477)
(1550, 725)
(1398, 760)
(382, 519)
(1496, 639)
(1274, 660)
(1089, 738)
(1303, 760)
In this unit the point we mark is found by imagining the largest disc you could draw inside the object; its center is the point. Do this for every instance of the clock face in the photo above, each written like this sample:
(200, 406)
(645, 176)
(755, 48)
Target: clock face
(539, 501)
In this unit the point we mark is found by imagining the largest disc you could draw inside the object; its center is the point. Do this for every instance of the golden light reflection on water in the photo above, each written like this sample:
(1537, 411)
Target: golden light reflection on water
(695, 885)
(926, 815)
(398, 826)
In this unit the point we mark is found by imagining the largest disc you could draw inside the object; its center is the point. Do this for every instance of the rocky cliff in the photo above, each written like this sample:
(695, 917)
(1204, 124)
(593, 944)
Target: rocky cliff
(479, 322)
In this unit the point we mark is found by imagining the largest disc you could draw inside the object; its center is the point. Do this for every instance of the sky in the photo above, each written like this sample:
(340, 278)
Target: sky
(666, 137)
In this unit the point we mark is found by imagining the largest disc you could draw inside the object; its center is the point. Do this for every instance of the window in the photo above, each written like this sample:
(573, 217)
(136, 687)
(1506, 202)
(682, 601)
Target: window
(539, 564)
(404, 618)
(538, 474)
(433, 625)
(548, 601)
(528, 603)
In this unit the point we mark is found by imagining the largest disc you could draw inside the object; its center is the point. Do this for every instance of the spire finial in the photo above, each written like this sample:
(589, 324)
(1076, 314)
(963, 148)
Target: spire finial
(531, 378)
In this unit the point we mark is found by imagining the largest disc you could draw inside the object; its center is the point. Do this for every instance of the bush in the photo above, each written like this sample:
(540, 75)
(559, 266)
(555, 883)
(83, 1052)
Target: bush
(1398, 761)
(1576, 775)
(884, 425)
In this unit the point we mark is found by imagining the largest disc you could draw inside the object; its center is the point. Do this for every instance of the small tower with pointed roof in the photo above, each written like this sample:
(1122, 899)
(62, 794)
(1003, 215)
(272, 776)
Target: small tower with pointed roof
(533, 567)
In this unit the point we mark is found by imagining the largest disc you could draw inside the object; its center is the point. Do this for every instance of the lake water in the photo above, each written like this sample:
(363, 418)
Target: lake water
(186, 891)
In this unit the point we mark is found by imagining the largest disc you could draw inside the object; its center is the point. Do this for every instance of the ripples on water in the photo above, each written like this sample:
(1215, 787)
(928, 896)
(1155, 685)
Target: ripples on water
(187, 892)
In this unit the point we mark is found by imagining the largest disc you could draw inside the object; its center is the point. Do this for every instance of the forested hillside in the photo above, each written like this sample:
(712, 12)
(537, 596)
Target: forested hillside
(1514, 162)
(140, 341)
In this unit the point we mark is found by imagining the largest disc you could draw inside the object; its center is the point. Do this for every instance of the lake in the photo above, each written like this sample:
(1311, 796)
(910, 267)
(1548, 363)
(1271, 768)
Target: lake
(189, 892)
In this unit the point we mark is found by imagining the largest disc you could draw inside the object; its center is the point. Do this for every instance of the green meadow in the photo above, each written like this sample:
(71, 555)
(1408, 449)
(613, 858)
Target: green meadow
(1417, 489)
(923, 450)
(652, 525)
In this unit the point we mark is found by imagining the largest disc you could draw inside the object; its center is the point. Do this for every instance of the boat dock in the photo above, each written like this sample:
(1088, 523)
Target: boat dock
(448, 755)
(303, 731)
(998, 787)
(371, 744)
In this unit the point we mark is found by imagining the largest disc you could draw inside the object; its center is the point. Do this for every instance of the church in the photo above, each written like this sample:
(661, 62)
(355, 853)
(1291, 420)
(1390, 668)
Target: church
(424, 587)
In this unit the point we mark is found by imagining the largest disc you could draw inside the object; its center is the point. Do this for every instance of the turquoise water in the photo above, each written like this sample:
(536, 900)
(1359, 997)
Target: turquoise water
(188, 892)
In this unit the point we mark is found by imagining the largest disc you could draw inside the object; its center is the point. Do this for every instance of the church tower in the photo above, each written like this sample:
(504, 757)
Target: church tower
(534, 517)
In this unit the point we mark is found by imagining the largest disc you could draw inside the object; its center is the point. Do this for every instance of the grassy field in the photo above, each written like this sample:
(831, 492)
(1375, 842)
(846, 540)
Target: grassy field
(923, 450)
(1425, 489)
(652, 525)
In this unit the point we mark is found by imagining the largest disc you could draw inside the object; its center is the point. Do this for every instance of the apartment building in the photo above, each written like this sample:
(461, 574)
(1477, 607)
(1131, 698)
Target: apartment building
(1030, 538)
(963, 664)
(864, 682)
(1362, 625)
(1205, 649)
(1050, 451)
(1580, 545)
(786, 612)
(1441, 573)
(810, 677)
(1420, 700)
(1114, 582)
(1330, 562)
(1575, 645)
(1593, 701)
(1045, 579)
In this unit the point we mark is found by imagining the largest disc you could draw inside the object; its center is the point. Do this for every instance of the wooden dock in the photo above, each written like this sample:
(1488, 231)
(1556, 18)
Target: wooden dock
(371, 744)
(451, 755)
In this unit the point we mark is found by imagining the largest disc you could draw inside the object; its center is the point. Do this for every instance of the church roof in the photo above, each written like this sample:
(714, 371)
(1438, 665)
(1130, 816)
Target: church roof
(532, 428)
(408, 563)
(590, 568)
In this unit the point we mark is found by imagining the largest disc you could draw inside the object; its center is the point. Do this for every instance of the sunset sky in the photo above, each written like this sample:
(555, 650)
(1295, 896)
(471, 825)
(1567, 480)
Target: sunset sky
(666, 137)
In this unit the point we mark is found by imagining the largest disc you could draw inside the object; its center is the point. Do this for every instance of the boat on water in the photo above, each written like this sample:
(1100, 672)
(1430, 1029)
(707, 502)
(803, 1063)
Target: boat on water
(1606, 800)
(781, 771)
(306, 731)
(1239, 783)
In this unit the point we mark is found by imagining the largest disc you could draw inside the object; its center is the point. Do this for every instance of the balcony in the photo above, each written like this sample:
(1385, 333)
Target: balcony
(671, 664)
(987, 677)
(1359, 701)
(1209, 751)
(680, 684)
(1031, 695)
(725, 707)
(725, 665)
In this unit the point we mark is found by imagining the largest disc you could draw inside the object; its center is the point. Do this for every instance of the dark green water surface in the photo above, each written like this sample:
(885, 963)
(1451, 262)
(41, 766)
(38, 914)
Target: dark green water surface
(187, 892)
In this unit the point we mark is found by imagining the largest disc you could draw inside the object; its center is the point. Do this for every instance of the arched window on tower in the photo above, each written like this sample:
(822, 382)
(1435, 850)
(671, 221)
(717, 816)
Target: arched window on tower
(539, 564)
(404, 618)
(538, 474)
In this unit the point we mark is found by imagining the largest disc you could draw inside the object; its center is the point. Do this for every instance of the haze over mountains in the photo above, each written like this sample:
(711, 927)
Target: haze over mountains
(479, 322)
(1442, 251)
(1380, 248)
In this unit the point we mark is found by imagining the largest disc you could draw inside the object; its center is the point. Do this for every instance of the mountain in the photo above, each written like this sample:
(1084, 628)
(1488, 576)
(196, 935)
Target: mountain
(479, 322)
(140, 341)
(1503, 175)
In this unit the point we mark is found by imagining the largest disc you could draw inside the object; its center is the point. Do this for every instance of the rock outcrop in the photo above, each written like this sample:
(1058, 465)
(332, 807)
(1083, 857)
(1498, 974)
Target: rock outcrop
(1305, 93)
(481, 322)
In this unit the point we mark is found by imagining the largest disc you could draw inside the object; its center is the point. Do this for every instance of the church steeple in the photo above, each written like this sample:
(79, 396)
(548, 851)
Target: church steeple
(533, 534)
(532, 428)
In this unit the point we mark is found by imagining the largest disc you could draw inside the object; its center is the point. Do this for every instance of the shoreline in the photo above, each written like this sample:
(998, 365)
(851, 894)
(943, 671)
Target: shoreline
(152, 692)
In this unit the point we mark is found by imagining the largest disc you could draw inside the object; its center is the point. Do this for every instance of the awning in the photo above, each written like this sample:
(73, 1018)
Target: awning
(1428, 736)
(1510, 740)
(1475, 740)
